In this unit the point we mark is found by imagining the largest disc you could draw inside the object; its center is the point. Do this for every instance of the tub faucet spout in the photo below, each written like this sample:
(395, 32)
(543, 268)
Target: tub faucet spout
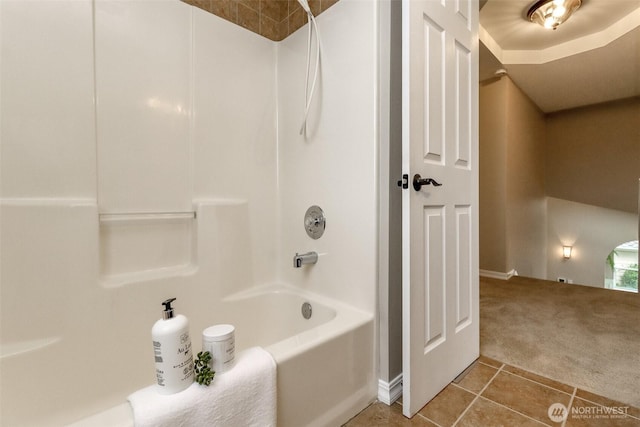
(300, 259)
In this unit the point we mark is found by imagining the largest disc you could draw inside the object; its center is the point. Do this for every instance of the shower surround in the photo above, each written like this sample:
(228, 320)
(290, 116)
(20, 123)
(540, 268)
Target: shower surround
(151, 150)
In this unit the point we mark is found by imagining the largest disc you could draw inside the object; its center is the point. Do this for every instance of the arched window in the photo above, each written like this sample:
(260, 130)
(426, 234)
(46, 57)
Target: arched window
(621, 269)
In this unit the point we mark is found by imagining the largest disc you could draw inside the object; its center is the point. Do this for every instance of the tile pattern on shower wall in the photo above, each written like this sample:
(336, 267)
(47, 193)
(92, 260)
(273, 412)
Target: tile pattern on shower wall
(273, 19)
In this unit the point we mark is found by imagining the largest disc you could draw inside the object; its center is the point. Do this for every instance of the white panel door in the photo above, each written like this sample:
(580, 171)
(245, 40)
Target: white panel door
(440, 223)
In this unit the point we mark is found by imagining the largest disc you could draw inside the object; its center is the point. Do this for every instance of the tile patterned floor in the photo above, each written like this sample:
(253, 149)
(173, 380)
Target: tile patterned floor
(495, 394)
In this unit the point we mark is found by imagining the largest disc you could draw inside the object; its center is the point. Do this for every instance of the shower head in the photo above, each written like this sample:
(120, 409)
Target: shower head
(305, 5)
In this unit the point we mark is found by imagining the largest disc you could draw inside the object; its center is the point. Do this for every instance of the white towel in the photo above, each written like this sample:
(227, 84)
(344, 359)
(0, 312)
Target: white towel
(243, 396)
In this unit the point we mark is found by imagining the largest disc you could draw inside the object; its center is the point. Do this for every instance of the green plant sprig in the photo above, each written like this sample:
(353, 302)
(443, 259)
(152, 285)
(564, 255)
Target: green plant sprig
(204, 374)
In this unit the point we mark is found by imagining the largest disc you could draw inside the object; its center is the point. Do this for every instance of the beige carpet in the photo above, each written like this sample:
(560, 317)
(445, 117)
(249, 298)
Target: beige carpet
(582, 336)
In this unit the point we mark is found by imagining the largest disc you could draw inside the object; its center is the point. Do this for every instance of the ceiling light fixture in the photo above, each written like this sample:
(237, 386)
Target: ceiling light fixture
(551, 13)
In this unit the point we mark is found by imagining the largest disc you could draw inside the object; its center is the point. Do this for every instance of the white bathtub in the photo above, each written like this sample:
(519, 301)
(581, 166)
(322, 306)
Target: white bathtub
(325, 364)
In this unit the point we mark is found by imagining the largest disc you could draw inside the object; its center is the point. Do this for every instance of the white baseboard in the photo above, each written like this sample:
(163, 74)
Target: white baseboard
(498, 275)
(389, 392)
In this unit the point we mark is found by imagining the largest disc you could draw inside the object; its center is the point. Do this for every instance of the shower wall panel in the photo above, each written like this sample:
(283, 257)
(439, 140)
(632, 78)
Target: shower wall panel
(75, 328)
(143, 106)
(143, 112)
(335, 165)
(235, 133)
(48, 125)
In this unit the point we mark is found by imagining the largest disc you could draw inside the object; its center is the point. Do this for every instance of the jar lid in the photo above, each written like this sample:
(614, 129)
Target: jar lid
(218, 332)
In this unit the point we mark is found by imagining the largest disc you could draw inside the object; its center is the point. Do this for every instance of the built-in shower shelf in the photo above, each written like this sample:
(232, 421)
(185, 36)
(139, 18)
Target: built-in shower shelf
(137, 247)
(144, 216)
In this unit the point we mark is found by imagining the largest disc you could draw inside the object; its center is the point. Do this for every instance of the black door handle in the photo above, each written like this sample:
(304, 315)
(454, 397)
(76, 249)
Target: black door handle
(418, 182)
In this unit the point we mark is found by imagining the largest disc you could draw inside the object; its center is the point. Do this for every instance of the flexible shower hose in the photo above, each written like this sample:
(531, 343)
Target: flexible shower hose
(308, 92)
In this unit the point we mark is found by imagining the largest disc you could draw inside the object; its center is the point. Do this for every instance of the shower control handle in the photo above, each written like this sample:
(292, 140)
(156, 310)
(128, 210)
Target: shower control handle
(418, 182)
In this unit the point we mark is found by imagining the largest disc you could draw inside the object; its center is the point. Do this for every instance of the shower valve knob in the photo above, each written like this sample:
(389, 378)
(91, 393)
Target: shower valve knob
(314, 222)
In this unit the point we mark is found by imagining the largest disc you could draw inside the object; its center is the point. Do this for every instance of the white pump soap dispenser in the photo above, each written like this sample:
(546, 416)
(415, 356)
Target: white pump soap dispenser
(172, 351)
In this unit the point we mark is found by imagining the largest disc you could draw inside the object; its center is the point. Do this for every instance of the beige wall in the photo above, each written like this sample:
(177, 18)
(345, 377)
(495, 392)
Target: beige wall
(512, 199)
(566, 178)
(526, 205)
(593, 232)
(593, 155)
(493, 198)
